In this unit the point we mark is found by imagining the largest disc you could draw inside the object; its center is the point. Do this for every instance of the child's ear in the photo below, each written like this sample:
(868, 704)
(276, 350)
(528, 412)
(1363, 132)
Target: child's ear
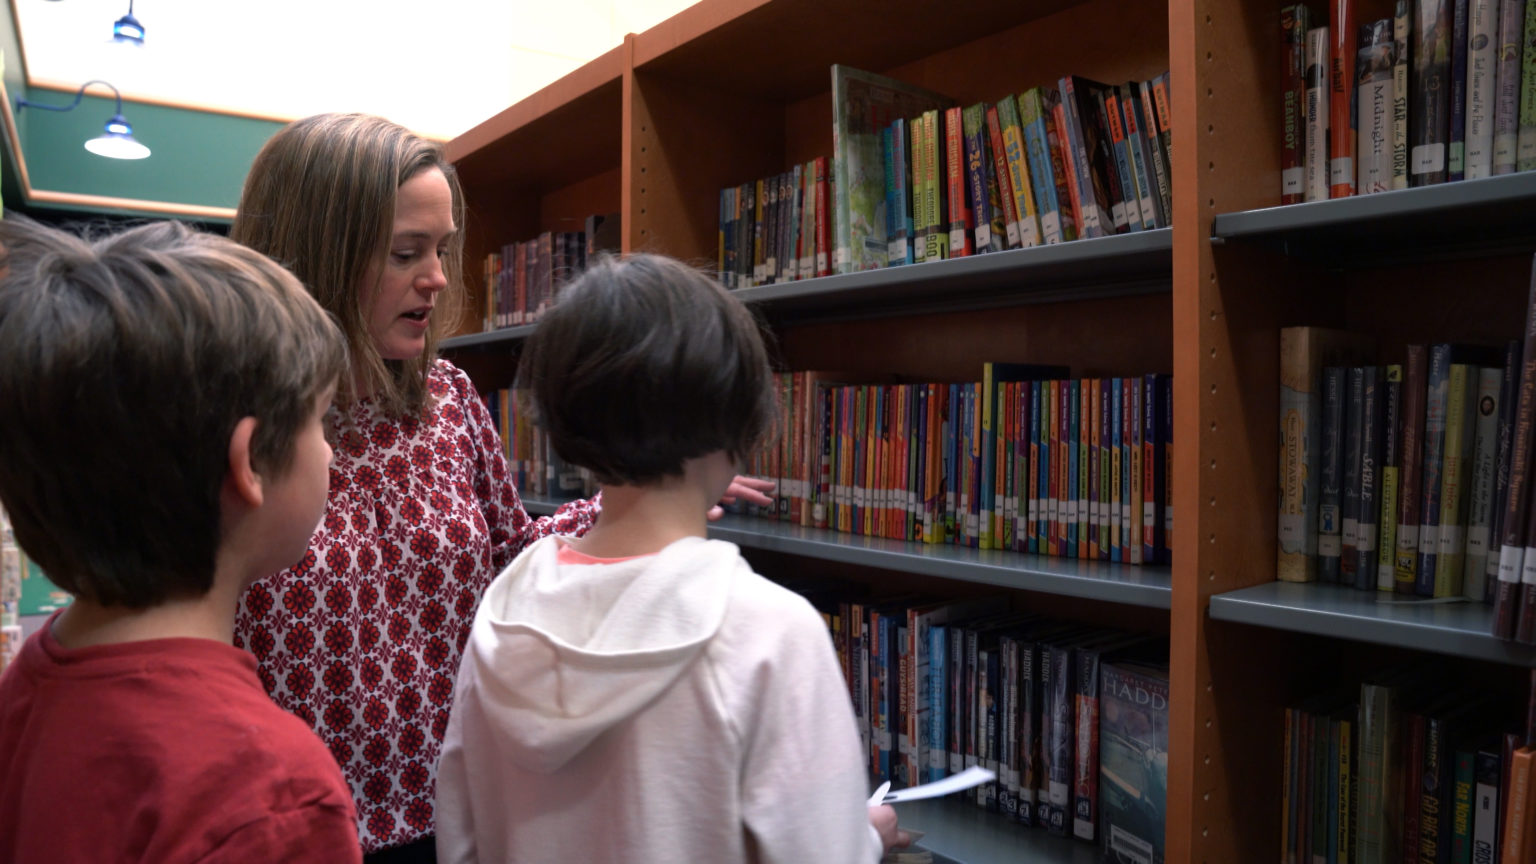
(241, 479)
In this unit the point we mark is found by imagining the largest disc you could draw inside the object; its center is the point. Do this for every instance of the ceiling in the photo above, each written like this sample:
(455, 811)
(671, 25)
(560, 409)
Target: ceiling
(438, 67)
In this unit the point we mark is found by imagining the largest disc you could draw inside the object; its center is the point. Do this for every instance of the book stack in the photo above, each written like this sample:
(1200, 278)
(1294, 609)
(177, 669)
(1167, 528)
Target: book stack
(1072, 718)
(1025, 459)
(1444, 90)
(1413, 477)
(523, 279)
(1411, 766)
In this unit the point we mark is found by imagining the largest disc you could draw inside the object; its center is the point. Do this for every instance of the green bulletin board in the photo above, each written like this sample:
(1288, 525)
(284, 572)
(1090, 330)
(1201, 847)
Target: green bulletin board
(38, 595)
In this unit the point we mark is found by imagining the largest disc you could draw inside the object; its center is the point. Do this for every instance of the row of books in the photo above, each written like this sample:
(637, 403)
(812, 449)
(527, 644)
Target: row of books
(917, 177)
(1072, 718)
(1411, 767)
(1440, 92)
(536, 468)
(1409, 466)
(524, 278)
(1414, 478)
(1024, 460)
(776, 229)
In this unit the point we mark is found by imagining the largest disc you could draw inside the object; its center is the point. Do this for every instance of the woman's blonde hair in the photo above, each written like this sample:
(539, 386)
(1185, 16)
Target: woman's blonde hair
(320, 200)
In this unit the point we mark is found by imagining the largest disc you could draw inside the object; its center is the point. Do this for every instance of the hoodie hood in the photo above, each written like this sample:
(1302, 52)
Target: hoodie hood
(560, 653)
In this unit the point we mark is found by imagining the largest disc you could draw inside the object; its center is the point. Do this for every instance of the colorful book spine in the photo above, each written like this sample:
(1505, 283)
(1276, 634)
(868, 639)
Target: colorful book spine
(1140, 159)
(1370, 479)
(1508, 389)
(899, 179)
(1509, 598)
(961, 222)
(1037, 156)
(1461, 403)
(1391, 460)
(976, 179)
(1127, 203)
(1353, 447)
(1525, 153)
(1293, 96)
(1018, 172)
(1061, 166)
(1341, 96)
(1084, 144)
(1003, 179)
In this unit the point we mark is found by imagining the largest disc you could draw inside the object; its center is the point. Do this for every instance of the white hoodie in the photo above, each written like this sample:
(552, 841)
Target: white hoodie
(670, 708)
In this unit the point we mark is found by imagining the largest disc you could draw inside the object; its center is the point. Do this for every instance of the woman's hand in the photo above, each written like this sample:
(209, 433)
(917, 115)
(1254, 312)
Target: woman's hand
(883, 817)
(749, 489)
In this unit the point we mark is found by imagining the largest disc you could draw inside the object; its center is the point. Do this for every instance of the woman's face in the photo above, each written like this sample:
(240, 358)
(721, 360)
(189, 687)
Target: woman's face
(401, 288)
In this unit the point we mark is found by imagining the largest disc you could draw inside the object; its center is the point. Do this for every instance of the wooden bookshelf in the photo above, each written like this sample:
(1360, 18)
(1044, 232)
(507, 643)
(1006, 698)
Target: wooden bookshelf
(732, 90)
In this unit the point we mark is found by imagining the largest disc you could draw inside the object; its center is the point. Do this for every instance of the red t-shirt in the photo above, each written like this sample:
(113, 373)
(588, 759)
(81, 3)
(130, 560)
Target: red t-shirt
(162, 751)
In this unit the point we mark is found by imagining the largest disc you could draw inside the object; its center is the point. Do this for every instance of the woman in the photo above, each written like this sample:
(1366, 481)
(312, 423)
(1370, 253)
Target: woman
(362, 638)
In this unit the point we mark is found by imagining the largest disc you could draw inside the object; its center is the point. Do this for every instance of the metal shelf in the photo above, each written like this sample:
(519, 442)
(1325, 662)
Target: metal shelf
(1455, 629)
(1118, 266)
(1469, 217)
(1094, 580)
(489, 338)
(964, 833)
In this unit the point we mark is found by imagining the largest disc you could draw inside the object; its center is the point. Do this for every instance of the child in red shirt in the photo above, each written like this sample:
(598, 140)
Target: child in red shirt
(161, 447)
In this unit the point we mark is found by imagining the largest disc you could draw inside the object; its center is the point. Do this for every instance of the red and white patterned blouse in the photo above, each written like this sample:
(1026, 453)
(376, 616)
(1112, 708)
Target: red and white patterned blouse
(362, 638)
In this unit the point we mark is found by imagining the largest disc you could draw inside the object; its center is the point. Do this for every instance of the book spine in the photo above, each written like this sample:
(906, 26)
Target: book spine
(1341, 98)
(1004, 182)
(1161, 176)
(1316, 159)
(1123, 198)
(1018, 172)
(1062, 166)
(1486, 790)
(1353, 448)
(823, 218)
(899, 216)
(1370, 479)
(1512, 540)
(1461, 807)
(1525, 154)
(1293, 95)
(955, 174)
(1430, 114)
(1482, 81)
(1391, 461)
(1071, 438)
(1097, 218)
(1415, 379)
(1375, 111)
(1136, 151)
(1451, 537)
(976, 180)
(1061, 734)
(1456, 149)
(1480, 492)
(1151, 468)
(1436, 397)
(1508, 388)
(933, 186)
(1330, 526)
(1037, 157)
(1402, 43)
(1506, 98)
(1343, 828)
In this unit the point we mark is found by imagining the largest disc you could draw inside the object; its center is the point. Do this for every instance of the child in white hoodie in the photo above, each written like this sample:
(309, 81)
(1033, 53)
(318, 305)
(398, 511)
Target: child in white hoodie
(640, 694)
